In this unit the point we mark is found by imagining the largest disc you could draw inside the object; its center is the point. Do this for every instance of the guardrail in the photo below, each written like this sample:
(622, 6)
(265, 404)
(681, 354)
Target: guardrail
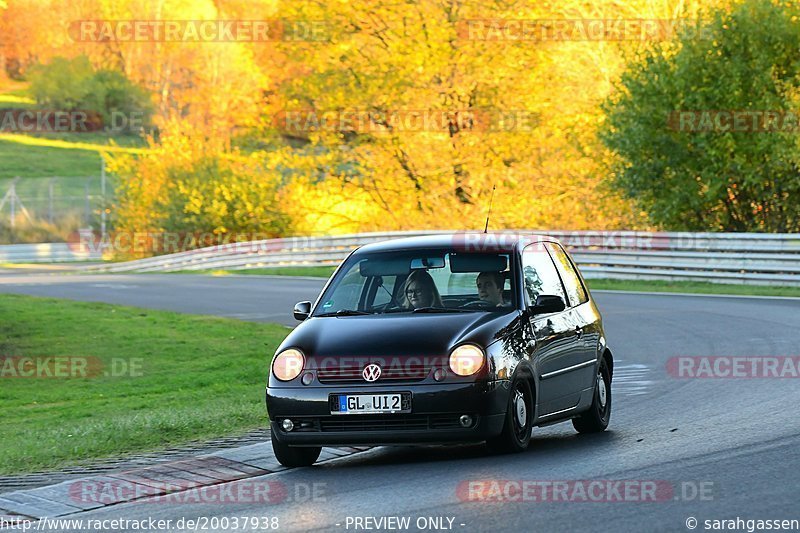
(757, 258)
(45, 253)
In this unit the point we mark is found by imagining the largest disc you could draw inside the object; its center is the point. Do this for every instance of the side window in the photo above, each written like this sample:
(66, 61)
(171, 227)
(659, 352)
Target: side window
(384, 294)
(540, 274)
(347, 293)
(575, 291)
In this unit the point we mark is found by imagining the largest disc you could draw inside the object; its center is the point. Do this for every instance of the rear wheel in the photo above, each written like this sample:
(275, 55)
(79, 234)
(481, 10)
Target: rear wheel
(292, 456)
(597, 417)
(516, 434)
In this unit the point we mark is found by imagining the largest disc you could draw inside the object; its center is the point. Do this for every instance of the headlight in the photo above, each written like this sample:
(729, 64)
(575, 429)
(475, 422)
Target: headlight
(288, 364)
(466, 360)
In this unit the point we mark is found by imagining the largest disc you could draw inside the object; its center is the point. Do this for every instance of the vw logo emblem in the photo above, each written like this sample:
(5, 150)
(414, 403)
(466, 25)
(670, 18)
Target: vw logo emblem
(371, 372)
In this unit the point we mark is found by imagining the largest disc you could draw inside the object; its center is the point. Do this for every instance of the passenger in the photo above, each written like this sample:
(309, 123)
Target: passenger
(490, 288)
(419, 290)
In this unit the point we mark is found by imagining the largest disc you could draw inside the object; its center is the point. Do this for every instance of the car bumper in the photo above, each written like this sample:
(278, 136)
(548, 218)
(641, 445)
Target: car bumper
(434, 416)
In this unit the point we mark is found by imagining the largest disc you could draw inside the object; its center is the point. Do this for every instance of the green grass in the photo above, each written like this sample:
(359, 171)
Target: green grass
(62, 155)
(199, 378)
(53, 154)
(17, 99)
(696, 287)
(40, 161)
(314, 272)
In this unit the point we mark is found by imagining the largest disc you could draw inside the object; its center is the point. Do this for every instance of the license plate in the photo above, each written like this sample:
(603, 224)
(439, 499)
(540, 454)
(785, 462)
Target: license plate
(344, 404)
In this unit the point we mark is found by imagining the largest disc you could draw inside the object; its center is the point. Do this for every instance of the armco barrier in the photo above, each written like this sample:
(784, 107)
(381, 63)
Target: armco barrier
(746, 258)
(45, 253)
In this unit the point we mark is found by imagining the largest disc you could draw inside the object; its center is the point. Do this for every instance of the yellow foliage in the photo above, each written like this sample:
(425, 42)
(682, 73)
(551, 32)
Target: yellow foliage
(189, 184)
(379, 56)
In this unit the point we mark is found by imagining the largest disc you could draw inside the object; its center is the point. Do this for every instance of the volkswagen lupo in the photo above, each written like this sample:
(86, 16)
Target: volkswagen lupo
(441, 339)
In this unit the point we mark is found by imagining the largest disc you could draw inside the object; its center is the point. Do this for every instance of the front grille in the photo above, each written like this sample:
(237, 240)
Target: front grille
(388, 422)
(353, 374)
(445, 422)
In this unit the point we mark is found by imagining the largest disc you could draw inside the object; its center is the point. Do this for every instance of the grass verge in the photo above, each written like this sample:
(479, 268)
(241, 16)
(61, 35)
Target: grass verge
(694, 287)
(163, 379)
(314, 272)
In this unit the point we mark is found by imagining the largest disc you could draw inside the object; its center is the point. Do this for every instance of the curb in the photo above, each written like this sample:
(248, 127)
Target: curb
(224, 466)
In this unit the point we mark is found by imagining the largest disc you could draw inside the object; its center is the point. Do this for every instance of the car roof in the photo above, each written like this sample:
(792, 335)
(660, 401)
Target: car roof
(473, 242)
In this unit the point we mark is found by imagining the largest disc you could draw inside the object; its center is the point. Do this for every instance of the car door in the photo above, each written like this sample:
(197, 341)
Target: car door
(582, 316)
(554, 333)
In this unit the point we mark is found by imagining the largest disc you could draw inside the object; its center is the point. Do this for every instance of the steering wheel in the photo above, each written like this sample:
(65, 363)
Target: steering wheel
(478, 304)
(391, 305)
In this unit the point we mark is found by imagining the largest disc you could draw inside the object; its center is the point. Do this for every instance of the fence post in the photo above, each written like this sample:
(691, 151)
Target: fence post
(13, 193)
(50, 201)
(103, 199)
(88, 206)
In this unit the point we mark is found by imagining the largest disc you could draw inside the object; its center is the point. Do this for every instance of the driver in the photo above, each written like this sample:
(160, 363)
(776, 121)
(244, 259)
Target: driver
(490, 287)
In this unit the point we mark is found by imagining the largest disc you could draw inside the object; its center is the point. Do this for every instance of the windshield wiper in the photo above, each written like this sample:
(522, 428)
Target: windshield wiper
(440, 310)
(345, 312)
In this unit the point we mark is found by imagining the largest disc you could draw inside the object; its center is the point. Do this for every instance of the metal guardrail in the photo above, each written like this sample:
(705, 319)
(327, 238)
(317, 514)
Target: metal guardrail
(745, 258)
(772, 259)
(45, 253)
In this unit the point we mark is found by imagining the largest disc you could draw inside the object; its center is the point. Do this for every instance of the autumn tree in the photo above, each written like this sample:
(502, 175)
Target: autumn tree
(387, 59)
(193, 184)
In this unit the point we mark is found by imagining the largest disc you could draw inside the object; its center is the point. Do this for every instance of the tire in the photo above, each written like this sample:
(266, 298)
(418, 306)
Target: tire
(294, 456)
(516, 435)
(597, 417)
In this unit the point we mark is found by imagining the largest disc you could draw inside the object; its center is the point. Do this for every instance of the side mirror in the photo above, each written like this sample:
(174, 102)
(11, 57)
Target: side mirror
(546, 303)
(301, 310)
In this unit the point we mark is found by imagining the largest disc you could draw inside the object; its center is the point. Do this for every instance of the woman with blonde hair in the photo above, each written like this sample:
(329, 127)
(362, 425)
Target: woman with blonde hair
(419, 290)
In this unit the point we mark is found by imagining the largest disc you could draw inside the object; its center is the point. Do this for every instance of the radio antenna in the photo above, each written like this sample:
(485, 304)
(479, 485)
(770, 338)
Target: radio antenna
(486, 227)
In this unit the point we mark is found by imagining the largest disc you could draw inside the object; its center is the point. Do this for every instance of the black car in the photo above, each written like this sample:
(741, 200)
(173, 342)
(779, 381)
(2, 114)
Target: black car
(447, 338)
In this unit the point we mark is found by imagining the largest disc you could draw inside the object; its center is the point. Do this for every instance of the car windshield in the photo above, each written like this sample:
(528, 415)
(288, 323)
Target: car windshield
(420, 281)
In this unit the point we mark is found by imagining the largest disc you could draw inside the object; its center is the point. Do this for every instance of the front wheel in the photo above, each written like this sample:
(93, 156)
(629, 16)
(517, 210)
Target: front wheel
(292, 456)
(516, 434)
(597, 417)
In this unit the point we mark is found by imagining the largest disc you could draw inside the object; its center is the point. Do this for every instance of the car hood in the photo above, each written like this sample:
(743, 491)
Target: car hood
(421, 335)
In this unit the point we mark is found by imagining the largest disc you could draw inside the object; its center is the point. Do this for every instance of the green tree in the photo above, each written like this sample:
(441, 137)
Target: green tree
(74, 84)
(63, 83)
(675, 155)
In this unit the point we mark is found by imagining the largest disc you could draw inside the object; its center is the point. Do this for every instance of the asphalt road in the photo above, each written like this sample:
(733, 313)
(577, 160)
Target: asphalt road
(255, 298)
(728, 448)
